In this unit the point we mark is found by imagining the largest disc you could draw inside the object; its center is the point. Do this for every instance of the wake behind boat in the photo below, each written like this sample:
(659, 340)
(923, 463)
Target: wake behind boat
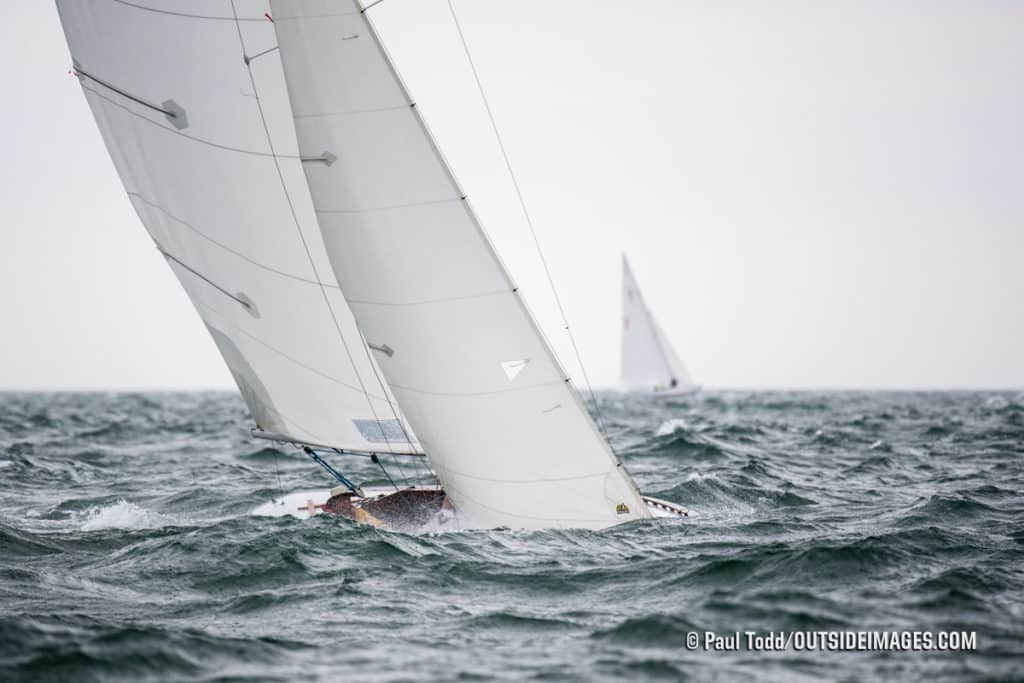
(287, 177)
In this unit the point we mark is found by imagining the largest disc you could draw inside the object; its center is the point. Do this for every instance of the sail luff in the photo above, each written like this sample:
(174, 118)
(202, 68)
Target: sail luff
(508, 436)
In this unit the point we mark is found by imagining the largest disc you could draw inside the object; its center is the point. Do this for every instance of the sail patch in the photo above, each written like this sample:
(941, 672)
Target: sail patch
(381, 431)
(247, 304)
(512, 368)
(175, 114)
(383, 348)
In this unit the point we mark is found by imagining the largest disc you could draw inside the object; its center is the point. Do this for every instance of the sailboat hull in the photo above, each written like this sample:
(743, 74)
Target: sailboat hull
(677, 392)
(412, 509)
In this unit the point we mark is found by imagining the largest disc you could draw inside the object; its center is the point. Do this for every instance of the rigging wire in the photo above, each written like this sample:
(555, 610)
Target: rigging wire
(529, 221)
(280, 491)
(302, 237)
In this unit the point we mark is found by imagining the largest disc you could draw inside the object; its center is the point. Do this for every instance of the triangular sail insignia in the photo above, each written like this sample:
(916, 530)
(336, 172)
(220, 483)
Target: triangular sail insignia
(512, 368)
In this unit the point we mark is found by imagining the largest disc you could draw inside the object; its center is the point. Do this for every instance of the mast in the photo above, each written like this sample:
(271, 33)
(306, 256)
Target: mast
(504, 429)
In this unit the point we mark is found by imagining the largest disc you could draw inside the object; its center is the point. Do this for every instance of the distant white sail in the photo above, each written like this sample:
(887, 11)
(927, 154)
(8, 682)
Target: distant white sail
(649, 363)
(206, 150)
(505, 431)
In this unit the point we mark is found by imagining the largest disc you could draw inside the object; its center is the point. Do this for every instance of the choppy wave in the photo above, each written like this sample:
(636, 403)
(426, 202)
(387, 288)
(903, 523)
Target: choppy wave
(123, 515)
(127, 550)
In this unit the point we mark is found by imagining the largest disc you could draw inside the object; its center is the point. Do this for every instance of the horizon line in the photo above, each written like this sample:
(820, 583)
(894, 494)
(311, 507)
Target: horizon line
(704, 389)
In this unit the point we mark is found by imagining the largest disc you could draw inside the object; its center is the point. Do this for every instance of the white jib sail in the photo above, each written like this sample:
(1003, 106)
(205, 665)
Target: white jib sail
(192, 106)
(502, 427)
(649, 363)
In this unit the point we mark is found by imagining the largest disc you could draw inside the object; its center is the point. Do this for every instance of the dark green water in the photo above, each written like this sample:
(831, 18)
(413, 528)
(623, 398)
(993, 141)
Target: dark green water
(127, 551)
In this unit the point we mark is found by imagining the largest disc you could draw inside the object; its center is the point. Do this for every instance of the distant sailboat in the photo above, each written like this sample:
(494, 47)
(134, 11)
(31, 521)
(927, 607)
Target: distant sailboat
(649, 363)
(289, 181)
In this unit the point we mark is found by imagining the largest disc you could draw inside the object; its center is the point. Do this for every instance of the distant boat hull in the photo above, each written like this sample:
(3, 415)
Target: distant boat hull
(678, 391)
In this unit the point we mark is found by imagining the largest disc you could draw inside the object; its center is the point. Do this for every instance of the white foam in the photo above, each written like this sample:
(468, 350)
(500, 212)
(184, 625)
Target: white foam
(671, 427)
(123, 515)
(996, 403)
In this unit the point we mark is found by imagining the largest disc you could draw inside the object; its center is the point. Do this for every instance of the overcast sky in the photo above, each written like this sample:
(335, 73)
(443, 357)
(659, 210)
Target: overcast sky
(811, 196)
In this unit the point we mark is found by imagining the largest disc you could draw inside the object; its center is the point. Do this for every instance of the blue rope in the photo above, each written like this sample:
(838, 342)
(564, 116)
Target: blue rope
(333, 472)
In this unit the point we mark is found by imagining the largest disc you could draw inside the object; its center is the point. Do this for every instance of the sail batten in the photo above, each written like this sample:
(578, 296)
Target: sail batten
(135, 196)
(226, 201)
(504, 430)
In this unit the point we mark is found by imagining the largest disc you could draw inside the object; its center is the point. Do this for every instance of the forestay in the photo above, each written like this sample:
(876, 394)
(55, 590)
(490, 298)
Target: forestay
(648, 360)
(501, 425)
(191, 102)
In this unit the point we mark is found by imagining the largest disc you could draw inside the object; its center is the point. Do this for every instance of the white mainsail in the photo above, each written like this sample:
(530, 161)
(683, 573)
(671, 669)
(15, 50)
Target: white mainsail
(190, 99)
(649, 363)
(502, 426)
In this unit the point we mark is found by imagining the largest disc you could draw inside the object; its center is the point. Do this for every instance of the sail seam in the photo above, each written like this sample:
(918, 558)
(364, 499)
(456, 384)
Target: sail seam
(327, 15)
(477, 393)
(223, 246)
(284, 355)
(226, 148)
(185, 15)
(427, 302)
(393, 207)
(524, 481)
(374, 110)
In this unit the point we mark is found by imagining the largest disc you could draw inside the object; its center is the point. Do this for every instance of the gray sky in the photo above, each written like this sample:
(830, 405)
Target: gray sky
(810, 195)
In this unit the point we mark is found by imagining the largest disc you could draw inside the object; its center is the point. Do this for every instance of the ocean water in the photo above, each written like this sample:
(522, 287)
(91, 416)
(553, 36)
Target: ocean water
(127, 551)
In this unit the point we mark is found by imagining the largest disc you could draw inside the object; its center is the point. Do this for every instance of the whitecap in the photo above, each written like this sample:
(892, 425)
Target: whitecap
(123, 515)
(671, 426)
(996, 403)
